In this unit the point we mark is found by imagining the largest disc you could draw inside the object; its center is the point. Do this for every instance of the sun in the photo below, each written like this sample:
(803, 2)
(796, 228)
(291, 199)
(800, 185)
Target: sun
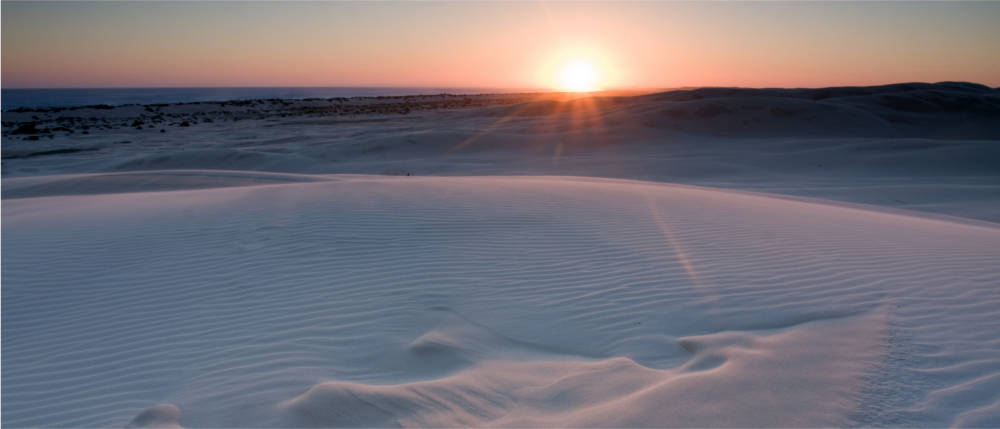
(578, 76)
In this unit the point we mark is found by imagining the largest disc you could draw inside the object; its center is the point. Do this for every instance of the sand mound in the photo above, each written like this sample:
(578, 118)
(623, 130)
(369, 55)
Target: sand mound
(491, 301)
(164, 416)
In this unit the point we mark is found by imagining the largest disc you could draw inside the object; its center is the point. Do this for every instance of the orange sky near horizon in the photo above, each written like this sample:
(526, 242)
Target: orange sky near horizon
(496, 45)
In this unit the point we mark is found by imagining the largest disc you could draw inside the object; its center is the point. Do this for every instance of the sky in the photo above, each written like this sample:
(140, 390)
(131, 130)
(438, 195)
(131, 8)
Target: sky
(653, 44)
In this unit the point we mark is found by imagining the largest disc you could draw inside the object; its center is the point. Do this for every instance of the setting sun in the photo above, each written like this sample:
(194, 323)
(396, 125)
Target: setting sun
(578, 76)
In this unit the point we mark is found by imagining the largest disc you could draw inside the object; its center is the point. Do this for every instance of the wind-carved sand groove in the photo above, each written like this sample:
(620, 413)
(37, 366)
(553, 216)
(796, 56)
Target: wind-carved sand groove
(491, 301)
(548, 391)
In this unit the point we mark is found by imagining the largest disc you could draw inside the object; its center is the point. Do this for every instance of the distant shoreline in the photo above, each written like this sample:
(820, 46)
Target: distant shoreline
(23, 98)
(278, 100)
(66, 98)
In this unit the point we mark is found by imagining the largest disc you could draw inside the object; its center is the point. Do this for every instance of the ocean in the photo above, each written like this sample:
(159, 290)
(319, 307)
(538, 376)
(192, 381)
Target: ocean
(15, 98)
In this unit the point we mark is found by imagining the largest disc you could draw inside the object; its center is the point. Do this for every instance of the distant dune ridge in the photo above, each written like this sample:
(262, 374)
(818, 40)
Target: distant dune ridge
(952, 110)
(822, 257)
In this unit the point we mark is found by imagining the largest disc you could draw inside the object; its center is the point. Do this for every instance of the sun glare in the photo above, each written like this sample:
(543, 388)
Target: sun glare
(578, 76)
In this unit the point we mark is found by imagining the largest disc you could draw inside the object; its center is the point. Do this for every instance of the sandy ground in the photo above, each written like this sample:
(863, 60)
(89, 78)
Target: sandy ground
(818, 258)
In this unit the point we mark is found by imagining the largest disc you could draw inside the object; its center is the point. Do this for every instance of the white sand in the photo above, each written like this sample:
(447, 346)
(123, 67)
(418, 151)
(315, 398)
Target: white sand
(221, 275)
(502, 301)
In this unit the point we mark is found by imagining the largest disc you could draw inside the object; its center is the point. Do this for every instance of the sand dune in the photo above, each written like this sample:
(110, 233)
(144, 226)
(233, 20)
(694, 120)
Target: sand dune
(928, 147)
(231, 299)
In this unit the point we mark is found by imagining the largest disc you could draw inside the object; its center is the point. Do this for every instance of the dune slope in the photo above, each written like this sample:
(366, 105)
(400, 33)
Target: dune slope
(487, 301)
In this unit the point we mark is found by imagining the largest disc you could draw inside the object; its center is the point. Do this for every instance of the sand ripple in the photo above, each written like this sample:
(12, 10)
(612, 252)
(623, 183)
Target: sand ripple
(494, 301)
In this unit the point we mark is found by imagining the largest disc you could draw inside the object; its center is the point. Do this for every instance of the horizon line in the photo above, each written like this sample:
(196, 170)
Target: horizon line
(521, 89)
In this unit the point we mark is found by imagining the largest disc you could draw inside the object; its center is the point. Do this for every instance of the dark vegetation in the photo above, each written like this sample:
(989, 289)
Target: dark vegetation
(47, 122)
(47, 152)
